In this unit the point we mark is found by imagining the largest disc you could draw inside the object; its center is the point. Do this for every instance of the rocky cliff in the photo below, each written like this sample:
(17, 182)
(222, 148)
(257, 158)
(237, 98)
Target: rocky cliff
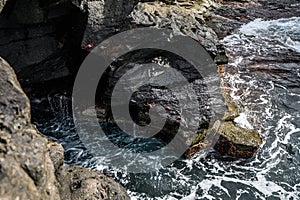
(45, 40)
(31, 166)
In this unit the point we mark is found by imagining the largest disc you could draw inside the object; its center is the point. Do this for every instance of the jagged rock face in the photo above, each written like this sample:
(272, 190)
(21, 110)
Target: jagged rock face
(184, 18)
(26, 168)
(29, 162)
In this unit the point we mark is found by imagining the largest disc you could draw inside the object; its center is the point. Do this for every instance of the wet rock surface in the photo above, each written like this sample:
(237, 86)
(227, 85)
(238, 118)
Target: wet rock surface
(191, 98)
(30, 164)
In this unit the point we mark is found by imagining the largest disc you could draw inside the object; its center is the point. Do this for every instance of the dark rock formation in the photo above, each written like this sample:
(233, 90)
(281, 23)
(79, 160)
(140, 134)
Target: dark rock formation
(105, 18)
(39, 39)
(171, 100)
(44, 40)
(30, 164)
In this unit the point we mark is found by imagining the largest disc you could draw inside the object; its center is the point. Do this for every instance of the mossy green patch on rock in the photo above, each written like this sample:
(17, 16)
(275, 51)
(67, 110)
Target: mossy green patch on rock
(199, 138)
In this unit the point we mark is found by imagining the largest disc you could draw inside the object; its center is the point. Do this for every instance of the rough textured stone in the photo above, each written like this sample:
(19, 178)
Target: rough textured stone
(30, 164)
(25, 164)
(80, 183)
(237, 141)
(183, 18)
(105, 18)
(56, 153)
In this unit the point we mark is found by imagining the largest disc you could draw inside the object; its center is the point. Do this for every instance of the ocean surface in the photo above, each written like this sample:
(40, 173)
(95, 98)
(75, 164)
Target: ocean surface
(264, 77)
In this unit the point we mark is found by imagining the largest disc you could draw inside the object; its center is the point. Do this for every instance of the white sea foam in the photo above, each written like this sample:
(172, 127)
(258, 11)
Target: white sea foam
(243, 121)
(267, 175)
(285, 31)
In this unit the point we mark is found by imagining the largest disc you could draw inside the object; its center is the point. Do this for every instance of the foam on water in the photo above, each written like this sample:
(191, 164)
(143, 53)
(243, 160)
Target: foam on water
(285, 31)
(272, 173)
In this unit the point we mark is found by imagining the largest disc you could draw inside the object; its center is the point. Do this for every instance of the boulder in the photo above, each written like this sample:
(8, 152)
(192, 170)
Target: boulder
(80, 183)
(228, 139)
(237, 141)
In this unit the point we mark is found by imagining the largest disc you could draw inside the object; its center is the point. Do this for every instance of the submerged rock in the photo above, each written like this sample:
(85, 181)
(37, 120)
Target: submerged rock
(30, 164)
